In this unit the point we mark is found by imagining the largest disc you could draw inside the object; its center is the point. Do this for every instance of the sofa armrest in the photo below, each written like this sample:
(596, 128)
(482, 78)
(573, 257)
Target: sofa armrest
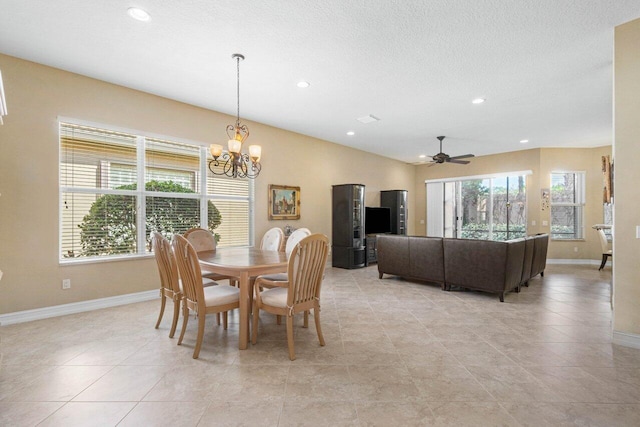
(539, 263)
(528, 260)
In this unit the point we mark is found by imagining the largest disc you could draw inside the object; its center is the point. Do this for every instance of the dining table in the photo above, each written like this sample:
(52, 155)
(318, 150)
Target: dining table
(244, 263)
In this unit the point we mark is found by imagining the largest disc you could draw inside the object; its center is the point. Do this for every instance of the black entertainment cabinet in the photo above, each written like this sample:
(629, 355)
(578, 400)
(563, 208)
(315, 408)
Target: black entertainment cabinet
(397, 201)
(347, 231)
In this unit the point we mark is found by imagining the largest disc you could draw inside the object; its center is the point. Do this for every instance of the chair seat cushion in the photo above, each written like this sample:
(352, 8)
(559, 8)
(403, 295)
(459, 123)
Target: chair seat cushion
(220, 295)
(275, 297)
(610, 252)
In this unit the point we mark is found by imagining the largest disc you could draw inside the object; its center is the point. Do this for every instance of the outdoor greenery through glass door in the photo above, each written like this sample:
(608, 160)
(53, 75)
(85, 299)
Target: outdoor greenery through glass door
(491, 209)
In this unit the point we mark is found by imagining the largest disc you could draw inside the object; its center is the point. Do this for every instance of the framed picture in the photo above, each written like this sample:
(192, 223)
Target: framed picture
(545, 199)
(284, 202)
(607, 171)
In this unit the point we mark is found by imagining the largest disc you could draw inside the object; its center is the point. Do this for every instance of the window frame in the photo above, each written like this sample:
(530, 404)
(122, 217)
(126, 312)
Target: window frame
(141, 194)
(580, 193)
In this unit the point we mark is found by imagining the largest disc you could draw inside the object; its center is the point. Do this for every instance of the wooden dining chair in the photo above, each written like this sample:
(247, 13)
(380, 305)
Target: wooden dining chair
(170, 284)
(305, 271)
(280, 279)
(204, 240)
(196, 298)
(604, 244)
(272, 280)
(272, 239)
(169, 281)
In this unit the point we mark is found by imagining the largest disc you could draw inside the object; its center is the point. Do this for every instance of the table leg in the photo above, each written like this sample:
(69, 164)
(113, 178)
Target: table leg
(245, 311)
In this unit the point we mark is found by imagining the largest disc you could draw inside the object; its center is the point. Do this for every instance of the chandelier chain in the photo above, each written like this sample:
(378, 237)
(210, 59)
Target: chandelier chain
(238, 89)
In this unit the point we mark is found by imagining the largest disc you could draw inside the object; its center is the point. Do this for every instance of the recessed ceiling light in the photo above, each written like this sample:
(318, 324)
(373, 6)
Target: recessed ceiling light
(422, 156)
(351, 133)
(303, 84)
(478, 101)
(138, 14)
(524, 141)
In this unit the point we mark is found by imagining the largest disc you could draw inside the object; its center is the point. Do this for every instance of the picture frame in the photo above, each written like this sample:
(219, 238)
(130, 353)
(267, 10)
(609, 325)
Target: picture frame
(284, 202)
(545, 199)
(607, 171)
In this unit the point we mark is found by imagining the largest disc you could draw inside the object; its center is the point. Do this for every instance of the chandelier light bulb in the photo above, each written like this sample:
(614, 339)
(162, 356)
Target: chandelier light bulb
(216, 150)
(234, 146)
(255, 151)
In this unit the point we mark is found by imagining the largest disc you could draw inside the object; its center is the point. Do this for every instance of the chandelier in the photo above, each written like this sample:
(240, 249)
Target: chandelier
(234, 163)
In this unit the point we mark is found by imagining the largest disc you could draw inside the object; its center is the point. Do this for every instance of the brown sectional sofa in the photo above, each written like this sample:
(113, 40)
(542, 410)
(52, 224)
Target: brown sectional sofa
(484, 265)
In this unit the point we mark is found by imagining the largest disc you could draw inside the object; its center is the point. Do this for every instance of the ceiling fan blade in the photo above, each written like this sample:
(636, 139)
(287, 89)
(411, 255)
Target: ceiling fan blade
(463, 156)
(432, 164)
(461, 162)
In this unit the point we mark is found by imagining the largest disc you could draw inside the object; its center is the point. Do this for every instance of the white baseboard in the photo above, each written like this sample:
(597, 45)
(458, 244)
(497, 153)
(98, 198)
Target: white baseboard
(574, 261)
(76, 307)
(626, 339)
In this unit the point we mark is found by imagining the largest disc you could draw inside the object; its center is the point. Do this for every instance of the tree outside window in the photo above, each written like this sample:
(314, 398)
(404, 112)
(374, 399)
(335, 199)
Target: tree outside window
(110, 226)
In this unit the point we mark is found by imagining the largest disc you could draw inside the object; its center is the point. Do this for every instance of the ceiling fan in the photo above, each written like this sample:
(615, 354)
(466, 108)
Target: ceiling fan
(445, 158)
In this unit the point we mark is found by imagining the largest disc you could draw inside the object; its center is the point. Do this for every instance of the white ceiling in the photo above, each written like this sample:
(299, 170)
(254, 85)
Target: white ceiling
(544, 66)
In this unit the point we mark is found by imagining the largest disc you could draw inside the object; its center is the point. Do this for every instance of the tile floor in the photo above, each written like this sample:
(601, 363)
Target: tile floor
(398, 353)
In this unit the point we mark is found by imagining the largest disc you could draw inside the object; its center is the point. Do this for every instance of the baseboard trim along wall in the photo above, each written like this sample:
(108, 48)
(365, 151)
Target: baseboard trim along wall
(575, 261)
(626, 339)
(76, 307)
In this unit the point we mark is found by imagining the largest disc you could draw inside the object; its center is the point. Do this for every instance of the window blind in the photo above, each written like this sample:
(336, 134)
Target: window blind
(116, 187)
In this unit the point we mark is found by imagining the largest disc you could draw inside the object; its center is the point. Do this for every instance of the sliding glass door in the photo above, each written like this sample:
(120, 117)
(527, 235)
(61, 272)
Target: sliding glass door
(509, 208)
(474, 209)
(484, 208)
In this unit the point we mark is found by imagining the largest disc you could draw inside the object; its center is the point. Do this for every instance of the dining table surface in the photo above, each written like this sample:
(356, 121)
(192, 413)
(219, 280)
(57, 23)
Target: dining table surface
(244, 263)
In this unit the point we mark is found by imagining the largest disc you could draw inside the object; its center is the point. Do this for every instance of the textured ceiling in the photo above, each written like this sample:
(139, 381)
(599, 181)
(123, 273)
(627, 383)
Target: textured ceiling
(544, 66)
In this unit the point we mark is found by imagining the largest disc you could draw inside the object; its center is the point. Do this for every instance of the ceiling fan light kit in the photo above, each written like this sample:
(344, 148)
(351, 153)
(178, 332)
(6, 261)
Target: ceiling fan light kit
(445, 158)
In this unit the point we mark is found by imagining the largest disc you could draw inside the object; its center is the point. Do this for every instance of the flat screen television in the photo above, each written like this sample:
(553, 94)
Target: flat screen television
(377, 220)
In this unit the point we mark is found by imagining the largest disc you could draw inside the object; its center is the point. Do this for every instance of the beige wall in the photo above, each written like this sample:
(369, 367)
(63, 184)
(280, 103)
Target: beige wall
(36, 95)
(541, 162)
(626, 268)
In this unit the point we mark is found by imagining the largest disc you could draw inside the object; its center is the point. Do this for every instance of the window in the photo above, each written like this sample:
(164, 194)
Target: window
(116, 187)
(567, 205)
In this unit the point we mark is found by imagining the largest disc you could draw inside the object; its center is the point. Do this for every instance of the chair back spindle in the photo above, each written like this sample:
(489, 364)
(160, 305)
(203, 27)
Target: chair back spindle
(189, 268)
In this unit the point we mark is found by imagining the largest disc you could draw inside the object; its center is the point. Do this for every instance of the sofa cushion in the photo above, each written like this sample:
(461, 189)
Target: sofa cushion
(393, 254)
(483, 264)
(426, 259)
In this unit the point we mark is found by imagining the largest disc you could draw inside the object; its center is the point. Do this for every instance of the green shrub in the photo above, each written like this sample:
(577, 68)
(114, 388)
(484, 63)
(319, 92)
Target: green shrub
(110, 226)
